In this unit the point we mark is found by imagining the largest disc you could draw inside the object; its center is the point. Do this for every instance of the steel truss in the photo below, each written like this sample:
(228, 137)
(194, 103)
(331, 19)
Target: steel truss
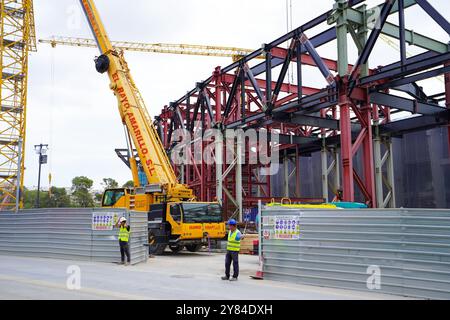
(349, 114)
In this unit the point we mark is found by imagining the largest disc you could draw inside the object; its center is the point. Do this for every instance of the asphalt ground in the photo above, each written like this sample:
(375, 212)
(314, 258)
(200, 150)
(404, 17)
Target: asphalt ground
(184, 276)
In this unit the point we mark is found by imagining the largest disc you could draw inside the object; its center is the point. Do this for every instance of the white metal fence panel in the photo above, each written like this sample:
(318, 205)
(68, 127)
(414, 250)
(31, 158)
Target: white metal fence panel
(67, 233)
(398, 251)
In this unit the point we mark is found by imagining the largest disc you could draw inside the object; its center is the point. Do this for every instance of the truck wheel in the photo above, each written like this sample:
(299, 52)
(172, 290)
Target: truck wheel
(175, 248)
(193, 247)
(154, 247)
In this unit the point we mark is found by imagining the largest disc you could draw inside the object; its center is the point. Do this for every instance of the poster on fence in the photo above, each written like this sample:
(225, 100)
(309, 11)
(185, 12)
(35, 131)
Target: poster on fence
(104, 220)
(287, 227)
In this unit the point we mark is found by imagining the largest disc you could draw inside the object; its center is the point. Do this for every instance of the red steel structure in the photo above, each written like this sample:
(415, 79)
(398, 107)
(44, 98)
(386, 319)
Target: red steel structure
(348, 115)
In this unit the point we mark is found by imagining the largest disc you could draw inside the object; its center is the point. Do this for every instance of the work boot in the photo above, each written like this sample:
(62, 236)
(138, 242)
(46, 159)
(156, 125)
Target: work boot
(233, 279)
(224, 278)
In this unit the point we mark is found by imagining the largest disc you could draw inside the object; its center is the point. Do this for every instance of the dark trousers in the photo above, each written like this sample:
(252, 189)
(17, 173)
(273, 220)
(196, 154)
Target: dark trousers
(124, 250)
(232, 256)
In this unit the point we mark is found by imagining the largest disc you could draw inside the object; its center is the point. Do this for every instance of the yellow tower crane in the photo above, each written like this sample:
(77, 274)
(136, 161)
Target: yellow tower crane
(16, 41)
(186, 49)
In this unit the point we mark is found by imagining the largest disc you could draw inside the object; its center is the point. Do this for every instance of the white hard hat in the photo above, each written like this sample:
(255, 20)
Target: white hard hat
(122, 219)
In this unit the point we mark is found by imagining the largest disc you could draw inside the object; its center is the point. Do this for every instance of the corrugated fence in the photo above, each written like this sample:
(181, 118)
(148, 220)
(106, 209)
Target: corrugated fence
(73, 234)
(399, 251)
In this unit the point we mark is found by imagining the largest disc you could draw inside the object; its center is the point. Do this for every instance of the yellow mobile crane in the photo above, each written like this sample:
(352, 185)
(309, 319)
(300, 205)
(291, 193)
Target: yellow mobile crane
(174, 217)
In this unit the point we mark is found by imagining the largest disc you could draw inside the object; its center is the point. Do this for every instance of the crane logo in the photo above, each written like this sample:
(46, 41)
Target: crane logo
(134, 124)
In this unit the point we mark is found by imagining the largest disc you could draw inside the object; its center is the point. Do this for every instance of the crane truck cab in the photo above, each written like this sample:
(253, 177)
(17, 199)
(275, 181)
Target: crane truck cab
(179, 224)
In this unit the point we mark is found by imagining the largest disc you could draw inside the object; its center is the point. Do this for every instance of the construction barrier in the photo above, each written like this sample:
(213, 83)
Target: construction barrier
(398, 251)
(72, 234)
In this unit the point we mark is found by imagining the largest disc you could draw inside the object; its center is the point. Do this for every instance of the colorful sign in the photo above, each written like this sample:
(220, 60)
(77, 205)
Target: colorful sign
(287, 227)
(104, 220)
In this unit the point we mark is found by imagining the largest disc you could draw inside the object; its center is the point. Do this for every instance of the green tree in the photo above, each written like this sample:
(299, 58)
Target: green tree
(98, 199)
(30, 198)
(81, 192)
(110, 183)
(128, 184)
(58, 198)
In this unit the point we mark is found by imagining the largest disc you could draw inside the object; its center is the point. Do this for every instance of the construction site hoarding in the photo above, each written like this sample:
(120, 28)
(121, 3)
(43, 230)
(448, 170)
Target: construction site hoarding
(72, 234)
(396, 251)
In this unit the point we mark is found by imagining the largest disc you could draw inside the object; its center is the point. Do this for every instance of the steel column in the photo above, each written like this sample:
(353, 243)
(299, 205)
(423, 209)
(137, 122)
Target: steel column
(390, 176)
(344, 105)
(447, 102)
(239, 157)
(286, 173)
(297, 171)
(218, 165)
(346, 151)
(324, 162)
(378, 168)
(367, 145)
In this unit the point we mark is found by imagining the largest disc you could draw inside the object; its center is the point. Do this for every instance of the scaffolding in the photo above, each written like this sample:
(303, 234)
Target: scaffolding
(348, 117)
(17, 40)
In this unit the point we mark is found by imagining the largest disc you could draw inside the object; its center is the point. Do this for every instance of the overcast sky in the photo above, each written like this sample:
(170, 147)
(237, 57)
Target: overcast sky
(70, 106)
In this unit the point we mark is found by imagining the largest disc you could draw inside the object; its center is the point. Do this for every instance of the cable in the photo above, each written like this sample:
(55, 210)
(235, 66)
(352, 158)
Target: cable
(290, 72)
(50, 125)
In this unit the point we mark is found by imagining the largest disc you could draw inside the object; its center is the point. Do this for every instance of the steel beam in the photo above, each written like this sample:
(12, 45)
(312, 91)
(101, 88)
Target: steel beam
(392, 30)
(368, 47)
(435, 15)
(400, 127)
(255, 85)
(417, 77)
(414, 38)
(408, 69)
(314, 121)
(404, 104)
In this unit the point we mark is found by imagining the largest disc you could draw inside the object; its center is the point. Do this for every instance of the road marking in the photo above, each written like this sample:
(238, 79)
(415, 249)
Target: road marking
(52, 285)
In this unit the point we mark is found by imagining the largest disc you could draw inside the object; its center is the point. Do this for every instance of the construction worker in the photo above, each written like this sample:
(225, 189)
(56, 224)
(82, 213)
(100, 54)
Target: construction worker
(124, 236)
(233, 247)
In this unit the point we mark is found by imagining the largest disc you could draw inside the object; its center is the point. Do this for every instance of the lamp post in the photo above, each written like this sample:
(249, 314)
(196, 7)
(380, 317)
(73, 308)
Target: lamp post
(40, 149)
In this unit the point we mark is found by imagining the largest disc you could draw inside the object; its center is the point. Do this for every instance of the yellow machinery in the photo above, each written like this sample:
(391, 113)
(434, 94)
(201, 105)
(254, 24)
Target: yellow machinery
(175, 218)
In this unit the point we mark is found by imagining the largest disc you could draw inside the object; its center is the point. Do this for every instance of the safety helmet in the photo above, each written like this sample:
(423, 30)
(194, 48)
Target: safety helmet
(232, 222)
(122, 219)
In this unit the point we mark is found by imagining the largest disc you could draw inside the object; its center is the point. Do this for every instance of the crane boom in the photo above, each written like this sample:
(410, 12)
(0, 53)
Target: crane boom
(174, 218)
(133, 112)
(170, 48)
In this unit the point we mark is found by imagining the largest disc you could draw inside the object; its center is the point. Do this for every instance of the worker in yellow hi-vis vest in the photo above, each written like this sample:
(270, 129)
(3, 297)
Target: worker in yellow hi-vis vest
(233, 247)
(124, 237)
